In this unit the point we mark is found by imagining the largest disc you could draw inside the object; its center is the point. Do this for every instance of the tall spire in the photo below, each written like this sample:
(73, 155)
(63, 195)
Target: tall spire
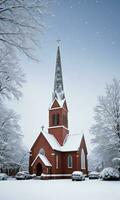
(58, 81)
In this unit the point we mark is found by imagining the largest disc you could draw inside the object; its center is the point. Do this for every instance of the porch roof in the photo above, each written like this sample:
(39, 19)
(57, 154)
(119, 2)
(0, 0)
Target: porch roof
(44, 160)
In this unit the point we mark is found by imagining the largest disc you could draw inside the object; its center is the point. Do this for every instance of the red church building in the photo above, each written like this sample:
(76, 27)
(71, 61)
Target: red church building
(58, 153)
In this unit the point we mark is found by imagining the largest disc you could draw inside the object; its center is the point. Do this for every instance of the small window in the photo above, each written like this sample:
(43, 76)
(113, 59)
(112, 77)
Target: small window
(56, 119)
(69, 161)
(42, 151)
(57, 162)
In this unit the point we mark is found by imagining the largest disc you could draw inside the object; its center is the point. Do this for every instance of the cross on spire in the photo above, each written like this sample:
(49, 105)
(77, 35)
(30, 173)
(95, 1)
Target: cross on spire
(42, 127)
(58, 42)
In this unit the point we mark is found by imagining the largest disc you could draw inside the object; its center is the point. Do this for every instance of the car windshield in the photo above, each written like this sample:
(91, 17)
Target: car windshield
(20, 173)
(93, 173)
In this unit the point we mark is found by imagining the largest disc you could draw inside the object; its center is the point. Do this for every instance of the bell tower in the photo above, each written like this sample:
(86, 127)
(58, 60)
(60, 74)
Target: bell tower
(58, 111)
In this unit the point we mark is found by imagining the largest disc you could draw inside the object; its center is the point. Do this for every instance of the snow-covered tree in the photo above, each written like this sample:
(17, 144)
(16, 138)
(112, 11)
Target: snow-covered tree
(106, 130)
(11, 80)
(95, 163)
(21, 22)
(11, 146)
(11, 75)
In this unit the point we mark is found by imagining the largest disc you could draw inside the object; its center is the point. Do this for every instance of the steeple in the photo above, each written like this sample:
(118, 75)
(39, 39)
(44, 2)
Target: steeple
(58, 81)
(58, 111)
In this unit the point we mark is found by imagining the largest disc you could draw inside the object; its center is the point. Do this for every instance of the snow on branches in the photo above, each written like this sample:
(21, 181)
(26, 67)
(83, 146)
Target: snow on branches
(21, 22)
(11, 148)
(11, 75)
(106, 130)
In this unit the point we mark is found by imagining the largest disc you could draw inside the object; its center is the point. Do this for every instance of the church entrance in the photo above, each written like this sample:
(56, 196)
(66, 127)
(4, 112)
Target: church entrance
(38, 169)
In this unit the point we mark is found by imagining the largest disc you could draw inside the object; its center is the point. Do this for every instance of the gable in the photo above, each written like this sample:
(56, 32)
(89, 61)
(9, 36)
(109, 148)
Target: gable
(41, 141)
(83, 145)
(55, 104)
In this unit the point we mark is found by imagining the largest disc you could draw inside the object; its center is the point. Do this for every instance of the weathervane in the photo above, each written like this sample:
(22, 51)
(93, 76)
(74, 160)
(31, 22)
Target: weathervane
(58, 42)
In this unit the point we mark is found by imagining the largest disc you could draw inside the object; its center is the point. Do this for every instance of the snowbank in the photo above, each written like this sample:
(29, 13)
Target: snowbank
(59, 189)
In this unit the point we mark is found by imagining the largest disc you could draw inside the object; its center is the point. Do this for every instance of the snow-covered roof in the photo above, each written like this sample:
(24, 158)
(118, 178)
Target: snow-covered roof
(52, 141)
(44, 160)
(71, 142)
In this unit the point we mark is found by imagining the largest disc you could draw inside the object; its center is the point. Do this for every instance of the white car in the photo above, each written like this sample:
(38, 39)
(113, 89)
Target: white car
(78, 176)
(3, 176)
(94, 175)
(22, 175)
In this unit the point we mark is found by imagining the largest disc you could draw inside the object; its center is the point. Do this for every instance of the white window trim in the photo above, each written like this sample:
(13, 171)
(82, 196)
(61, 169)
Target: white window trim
(57, 162)
(58, 127)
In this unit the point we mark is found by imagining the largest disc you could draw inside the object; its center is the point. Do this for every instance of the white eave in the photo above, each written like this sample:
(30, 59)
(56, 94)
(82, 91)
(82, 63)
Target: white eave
(44, 160)
(52, 141)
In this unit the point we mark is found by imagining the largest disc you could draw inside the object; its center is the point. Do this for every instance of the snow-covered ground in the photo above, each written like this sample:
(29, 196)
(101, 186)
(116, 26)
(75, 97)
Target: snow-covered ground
(59, 190)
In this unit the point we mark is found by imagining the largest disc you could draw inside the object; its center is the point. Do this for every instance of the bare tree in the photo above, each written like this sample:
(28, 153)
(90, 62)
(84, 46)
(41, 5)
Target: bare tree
(106, 130)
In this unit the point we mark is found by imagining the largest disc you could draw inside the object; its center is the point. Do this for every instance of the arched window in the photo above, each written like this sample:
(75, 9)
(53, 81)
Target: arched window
(83, 159)
(55, 119)
(69, 161)
(42, 151)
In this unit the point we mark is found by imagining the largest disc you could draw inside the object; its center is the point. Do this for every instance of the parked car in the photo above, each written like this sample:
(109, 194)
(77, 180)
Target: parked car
(94, 175)
(3, 176)
(78, 176)
(22, 175)
(109, 174)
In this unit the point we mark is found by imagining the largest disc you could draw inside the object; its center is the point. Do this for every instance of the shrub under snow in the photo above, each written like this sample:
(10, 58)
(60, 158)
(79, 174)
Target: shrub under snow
(109, 174)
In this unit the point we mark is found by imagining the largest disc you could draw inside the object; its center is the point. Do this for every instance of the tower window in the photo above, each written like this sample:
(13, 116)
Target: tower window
(56, 119)
(69, 161)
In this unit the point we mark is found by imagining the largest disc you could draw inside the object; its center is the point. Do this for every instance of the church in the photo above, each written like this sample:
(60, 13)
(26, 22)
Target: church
(57, 153)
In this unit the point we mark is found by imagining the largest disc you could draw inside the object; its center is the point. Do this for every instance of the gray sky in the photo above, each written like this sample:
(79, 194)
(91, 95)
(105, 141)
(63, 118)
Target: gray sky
(90, 54)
